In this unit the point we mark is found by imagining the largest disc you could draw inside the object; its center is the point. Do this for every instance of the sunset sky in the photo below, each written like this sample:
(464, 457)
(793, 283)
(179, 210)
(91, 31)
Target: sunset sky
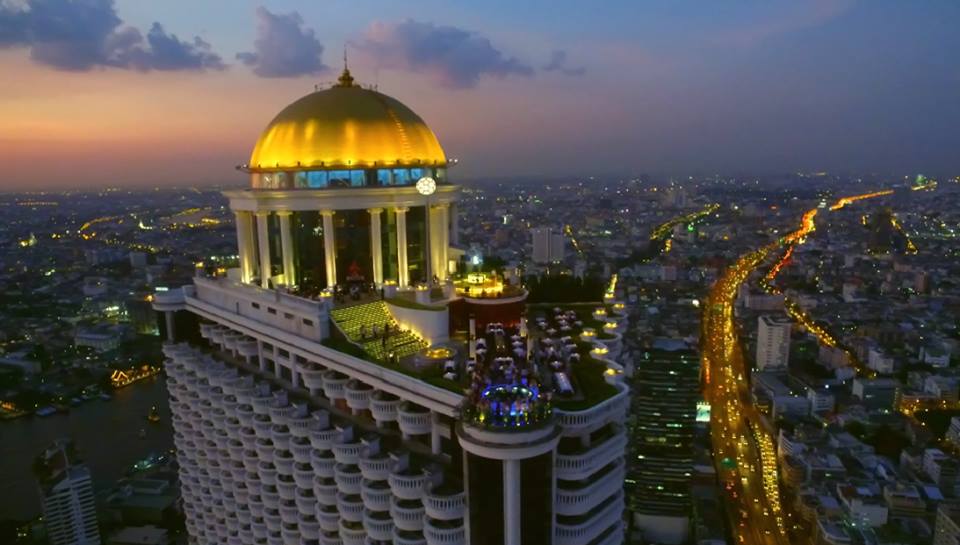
(98, 93)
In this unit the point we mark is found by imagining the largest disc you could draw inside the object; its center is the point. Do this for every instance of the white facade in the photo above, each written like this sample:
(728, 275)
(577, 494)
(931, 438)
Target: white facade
(69, 509)
(273, 452)
(773, 342)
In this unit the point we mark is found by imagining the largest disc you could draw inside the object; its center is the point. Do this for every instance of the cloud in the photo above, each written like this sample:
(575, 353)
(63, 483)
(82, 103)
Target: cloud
(558, 63)
(86, 34)
(454, 57)
(284, 47)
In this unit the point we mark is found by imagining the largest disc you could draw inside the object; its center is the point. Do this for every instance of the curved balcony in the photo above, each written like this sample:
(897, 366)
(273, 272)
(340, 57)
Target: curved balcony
(444, 532)
(352, 534)
(331, 538)
(378, 524)
(312, 375)
(303, 475)
(414, 420)
(408, 486)
(348, 478)
(325, 489)
(405, 537)
(263, 426)
(407, 514)
(309, 527)
(384, 406)
(301, 447)
(577, 423)
(328, 517)
(582, 464)
(265, 450)
(376, 495)
(574, 501)
(286, 488)
(593, 527)
(334, 384)
(323, 462)
(306, 501)
(445, 506)
(280, 434)
(267, 472)
(358, 395)
(375, 468)
(288, 512)
(283, 459)
(347, 453)
(350, 507)
(324, 439)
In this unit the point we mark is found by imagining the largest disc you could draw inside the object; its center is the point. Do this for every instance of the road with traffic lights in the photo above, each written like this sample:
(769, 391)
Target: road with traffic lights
(744, 450)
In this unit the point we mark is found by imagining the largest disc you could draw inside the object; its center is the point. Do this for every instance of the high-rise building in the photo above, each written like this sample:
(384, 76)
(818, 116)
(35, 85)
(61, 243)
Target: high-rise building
(773, 342)
(548, 246)
(318, 396)
(66, 491)
(666, 389)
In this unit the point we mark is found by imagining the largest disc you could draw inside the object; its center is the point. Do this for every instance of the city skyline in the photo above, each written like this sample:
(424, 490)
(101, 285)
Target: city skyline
(754, 89)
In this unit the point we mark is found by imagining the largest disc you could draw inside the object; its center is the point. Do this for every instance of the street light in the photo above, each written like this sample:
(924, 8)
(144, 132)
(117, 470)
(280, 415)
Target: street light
(427, 186)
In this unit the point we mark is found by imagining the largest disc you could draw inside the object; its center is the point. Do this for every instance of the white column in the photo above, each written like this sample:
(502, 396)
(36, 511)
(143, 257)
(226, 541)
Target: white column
(286, 247)
(329, 248)
(428, 242)
(263, 238)
(168, 315)
(244, 222)
(511, 502)
(436, 445)
(443, 240)
(376, 245)
(403, 274)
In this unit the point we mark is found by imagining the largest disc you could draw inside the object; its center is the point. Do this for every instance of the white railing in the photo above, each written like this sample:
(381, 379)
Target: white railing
(347, 481)
(580, 466)
(347, 453)
(437, 535)
(580, 500)
(408, 487)
(407, 518)
(591, 528)
(414, 423)
(375, 469)
(378, 528)
(375, 498)
(350, 507)
(445, 507)
(585, 421)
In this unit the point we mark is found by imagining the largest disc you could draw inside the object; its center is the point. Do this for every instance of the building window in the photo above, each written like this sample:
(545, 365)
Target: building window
(255, 305)
(271, 310)
(307, 322)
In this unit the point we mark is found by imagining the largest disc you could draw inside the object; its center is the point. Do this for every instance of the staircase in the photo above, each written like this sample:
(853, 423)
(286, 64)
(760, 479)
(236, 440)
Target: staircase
(351, 319)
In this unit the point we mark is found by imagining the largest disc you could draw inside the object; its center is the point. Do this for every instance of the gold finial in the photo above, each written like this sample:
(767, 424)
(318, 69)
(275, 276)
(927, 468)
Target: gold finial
(345, 79)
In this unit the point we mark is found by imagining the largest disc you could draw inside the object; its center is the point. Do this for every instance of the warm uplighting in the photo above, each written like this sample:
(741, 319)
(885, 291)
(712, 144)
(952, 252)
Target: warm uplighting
(439, 352)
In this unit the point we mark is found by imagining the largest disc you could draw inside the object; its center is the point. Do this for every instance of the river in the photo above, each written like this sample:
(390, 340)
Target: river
(107, 435)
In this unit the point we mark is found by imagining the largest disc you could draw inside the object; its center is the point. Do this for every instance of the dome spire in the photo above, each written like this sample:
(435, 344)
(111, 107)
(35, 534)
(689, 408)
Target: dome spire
(345, 79)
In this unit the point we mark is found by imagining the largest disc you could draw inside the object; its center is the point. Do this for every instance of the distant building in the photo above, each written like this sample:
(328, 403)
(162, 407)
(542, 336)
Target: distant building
(66, 492)
(773, 342)
(876, 393)
(666, 391)
(548, 247)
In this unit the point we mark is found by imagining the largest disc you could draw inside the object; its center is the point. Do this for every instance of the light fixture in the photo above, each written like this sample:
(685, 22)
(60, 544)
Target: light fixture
(426, 186)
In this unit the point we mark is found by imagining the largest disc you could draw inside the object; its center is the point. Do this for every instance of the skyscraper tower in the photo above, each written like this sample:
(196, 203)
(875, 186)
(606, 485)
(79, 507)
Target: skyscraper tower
(666, 384)
(66, 491)
(318, 396)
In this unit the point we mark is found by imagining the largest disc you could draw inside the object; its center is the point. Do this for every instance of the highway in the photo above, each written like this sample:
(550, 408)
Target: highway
(744, 451)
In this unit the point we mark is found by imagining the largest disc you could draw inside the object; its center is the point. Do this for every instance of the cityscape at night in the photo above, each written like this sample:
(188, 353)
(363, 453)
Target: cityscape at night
(368, 273)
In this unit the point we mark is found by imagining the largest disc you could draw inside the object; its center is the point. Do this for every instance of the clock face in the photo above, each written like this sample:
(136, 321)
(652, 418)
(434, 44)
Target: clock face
(426, 185)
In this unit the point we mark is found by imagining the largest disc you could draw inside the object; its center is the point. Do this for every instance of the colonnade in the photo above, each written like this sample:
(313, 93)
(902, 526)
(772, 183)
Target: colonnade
(253, 242)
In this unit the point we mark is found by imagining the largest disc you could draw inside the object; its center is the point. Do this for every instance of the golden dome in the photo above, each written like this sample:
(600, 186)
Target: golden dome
(346, 126)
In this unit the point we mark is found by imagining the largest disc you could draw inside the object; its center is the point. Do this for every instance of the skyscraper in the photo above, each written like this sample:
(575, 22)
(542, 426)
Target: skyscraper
(548, 247)
(773, 342)
(666, 388)
(317, 394)
(66, 491)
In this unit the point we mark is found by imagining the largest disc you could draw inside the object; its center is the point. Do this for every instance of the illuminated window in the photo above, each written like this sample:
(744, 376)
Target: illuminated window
(357, 178)
(317, 179)
(401, 176)
(383, 177)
